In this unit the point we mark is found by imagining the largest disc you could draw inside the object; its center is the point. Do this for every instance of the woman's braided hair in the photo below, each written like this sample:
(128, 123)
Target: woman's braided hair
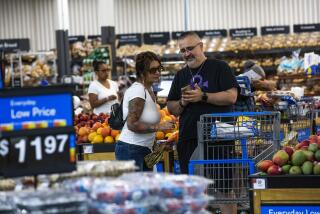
(143, 61)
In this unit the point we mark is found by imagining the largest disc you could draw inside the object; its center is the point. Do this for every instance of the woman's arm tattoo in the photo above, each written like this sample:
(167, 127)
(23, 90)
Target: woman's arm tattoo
(136, 107)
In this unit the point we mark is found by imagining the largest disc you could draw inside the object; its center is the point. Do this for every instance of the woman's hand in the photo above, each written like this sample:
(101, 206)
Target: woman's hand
(166, 125)
(168, 146)
(112, 97)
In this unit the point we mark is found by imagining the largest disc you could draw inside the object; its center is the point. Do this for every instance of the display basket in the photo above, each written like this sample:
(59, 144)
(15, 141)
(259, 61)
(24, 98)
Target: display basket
(300, 117)
(245, 86)
(229, 145)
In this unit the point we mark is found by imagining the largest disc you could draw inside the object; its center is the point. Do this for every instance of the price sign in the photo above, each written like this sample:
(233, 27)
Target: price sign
(38, 154)
(87, 149)
(35, 111)
(260, 183)
(36, 131)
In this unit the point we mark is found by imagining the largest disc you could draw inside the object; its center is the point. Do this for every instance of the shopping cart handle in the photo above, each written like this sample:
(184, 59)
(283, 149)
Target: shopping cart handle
(236, 114)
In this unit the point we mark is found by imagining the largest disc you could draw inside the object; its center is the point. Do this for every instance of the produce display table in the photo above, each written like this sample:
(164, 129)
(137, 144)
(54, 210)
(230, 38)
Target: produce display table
(104, 151)
(99, 151)
(285, 194)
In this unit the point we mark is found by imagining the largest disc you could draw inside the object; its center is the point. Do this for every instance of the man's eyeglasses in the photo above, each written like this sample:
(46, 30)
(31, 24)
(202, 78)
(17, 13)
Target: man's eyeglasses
(155, 70)
(188, 49)
(103, 70)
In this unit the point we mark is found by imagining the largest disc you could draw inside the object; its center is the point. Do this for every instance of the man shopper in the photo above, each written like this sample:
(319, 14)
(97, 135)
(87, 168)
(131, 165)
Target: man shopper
(203, 86)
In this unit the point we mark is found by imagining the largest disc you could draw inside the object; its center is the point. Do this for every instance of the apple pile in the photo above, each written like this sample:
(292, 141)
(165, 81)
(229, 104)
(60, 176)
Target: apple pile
(304, 159)
(94, 129)
(88, 120)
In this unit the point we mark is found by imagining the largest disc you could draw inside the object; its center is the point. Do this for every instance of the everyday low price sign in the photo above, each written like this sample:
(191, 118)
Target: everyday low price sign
(36, 131)
(290, 209)
(41, 111)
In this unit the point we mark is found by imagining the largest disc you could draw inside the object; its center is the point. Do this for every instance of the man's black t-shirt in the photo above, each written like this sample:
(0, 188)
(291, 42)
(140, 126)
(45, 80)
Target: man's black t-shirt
(214, 76)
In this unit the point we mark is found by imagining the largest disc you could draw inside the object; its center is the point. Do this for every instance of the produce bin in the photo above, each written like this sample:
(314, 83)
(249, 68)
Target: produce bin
(285, 194)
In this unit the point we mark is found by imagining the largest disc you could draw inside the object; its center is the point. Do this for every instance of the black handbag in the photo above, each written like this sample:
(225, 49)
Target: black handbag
(116, 120)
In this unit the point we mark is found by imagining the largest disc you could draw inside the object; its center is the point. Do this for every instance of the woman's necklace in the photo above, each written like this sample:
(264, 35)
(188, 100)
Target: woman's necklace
(196, 76)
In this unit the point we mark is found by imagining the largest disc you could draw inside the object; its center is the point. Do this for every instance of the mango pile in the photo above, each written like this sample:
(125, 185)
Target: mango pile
(302, 159)
(169, 135)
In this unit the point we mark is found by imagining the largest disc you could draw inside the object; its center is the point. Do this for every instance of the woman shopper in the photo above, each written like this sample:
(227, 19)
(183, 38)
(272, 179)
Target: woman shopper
(103, 92)
(141, 112)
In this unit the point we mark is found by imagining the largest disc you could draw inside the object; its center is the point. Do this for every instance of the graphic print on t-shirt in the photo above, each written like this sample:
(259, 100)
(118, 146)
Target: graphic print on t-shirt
(198, 79)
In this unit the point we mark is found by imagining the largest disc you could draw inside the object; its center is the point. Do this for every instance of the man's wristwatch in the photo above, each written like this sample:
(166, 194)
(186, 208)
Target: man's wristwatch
(204, 97)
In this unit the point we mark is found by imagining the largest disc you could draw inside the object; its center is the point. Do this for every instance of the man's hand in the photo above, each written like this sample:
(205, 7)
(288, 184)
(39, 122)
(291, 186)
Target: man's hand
(192, 96)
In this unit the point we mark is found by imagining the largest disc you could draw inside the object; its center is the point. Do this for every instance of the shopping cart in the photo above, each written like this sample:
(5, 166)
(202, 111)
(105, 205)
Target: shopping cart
(316, 121)
(296, 115)
(229, 145)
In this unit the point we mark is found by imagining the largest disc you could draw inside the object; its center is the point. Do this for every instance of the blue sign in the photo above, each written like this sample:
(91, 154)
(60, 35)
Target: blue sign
(303, 134)
(290, 209)
(39, 111)
(318, 129)
(282, 137)
(1, 80)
